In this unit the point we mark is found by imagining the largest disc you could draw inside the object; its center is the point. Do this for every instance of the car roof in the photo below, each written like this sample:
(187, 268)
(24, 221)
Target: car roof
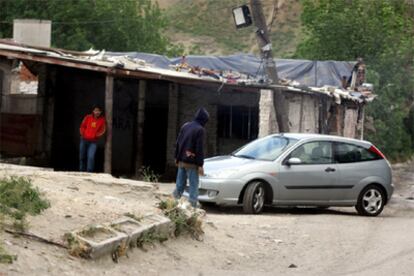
(312, 136)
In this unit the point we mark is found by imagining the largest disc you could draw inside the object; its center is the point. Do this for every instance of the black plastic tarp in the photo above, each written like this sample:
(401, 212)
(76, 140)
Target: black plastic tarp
(306, 72)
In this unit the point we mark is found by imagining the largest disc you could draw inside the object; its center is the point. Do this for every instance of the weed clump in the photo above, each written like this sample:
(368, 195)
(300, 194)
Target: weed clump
(187, 220)
(148, 175)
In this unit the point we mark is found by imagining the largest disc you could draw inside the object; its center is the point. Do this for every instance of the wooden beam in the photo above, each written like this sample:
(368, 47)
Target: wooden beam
(109, 91)
(139, 157)
(173, 128)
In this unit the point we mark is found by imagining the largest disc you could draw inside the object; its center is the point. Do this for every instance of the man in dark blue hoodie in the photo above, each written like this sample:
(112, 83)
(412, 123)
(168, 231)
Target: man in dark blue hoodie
(189, 155)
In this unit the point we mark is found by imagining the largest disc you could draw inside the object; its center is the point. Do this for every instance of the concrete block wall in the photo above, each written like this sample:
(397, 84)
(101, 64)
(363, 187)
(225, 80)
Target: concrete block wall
(267, 114)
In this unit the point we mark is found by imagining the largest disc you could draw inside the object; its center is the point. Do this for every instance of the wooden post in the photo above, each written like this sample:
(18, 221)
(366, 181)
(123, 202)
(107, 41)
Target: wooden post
(173, 127)
(109, 91)
(139, 157)
(265, 47)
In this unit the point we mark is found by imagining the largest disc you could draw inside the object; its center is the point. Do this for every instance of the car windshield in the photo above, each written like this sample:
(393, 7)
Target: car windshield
(268, 148)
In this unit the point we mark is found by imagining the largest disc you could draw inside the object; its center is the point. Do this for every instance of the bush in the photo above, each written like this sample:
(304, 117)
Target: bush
(18, 198)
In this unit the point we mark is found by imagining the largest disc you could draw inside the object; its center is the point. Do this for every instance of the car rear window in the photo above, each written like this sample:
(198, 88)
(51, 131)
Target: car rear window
(348, 153)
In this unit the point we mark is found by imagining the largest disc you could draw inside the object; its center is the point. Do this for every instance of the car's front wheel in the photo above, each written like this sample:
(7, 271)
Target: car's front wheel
(254, 198)
(371, 201)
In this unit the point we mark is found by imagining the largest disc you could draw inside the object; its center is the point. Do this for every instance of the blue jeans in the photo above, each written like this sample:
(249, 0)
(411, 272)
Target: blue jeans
(182, 175)
(87, 150)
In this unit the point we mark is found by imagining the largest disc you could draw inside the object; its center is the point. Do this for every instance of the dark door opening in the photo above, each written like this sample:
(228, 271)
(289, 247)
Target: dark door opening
(155, 127)
(76, 91)
(125, 108)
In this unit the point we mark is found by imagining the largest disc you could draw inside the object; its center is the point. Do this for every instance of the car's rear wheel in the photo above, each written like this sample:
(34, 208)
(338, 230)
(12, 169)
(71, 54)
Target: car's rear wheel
(254, 198)
(371, 201)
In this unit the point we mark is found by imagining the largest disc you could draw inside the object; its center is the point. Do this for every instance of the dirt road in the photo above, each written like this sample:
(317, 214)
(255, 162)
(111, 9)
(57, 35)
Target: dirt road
(278, 242)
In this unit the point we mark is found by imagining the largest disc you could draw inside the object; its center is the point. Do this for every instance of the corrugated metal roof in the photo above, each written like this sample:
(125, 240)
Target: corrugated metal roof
(135, 68)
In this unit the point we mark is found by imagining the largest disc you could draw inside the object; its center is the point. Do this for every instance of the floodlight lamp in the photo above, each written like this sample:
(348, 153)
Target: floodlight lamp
(242, 17)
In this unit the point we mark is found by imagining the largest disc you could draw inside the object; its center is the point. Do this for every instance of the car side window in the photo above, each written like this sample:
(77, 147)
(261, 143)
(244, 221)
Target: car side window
(314, 153)
(348, 153)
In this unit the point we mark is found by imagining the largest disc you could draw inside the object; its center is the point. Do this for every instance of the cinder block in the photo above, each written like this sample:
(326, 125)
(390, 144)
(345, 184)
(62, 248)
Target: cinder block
(100, 240)
(162, 225)
(134, 229)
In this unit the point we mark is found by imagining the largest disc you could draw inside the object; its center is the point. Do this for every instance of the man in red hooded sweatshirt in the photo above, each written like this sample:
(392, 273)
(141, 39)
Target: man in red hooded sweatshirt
(91, 129)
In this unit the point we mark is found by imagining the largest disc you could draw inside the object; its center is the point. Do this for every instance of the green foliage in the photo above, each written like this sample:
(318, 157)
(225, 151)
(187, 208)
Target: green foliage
(18, 198)
(382, 32)
(104, 24)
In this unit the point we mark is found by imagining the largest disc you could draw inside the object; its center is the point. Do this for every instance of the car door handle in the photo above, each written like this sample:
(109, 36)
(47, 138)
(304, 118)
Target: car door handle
(329, 169)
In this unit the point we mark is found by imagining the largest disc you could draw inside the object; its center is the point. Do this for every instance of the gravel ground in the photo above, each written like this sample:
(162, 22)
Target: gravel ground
(291, 241)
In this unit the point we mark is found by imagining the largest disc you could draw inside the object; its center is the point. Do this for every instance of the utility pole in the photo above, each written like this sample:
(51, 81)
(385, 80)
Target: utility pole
(265, 46)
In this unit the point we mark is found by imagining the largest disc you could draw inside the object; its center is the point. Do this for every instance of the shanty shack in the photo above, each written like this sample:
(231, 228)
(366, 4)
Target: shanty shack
(45, 92)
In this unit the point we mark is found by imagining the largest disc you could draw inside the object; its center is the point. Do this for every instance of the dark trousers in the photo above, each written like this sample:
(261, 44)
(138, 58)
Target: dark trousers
(87, 150)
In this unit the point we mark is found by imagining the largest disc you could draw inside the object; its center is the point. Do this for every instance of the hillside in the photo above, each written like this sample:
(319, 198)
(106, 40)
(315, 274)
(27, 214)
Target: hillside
(207, 26)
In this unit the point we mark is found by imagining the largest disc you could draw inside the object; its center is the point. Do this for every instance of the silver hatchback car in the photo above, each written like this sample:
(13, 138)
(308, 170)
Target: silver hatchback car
(300, 170)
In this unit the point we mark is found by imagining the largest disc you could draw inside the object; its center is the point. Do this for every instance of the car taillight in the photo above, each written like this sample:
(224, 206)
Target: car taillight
(376, 151)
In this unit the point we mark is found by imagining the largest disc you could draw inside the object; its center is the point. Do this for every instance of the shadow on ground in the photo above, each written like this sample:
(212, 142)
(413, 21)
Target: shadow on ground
(269, 210)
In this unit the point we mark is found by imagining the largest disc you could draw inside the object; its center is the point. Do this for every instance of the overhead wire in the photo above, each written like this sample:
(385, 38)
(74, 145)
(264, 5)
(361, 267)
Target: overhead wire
(86, 22)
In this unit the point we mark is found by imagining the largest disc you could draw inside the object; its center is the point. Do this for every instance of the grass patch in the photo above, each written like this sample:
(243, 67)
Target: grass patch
(213, 18)
(6, 258)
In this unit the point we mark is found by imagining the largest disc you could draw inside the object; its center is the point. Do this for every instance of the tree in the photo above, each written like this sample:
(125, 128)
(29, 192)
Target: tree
(382, 32)
(127, 25)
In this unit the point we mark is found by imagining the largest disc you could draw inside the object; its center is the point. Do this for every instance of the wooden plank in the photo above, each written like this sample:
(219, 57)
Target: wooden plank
(109, 91)
(139, 157)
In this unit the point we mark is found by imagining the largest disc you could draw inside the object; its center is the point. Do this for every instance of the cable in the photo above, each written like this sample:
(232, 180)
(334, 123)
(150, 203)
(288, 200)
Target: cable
(86, 22)
(260, 66)
(274, 13)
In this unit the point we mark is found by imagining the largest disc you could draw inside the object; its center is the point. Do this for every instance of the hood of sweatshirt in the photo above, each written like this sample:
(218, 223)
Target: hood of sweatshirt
(201, 116)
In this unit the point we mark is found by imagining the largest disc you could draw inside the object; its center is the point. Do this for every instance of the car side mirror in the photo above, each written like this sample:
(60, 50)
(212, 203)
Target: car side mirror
(294, 161)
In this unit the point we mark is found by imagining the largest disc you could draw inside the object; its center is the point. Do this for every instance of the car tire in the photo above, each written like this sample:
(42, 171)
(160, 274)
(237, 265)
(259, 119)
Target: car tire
(371, 201)
(254, 198)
